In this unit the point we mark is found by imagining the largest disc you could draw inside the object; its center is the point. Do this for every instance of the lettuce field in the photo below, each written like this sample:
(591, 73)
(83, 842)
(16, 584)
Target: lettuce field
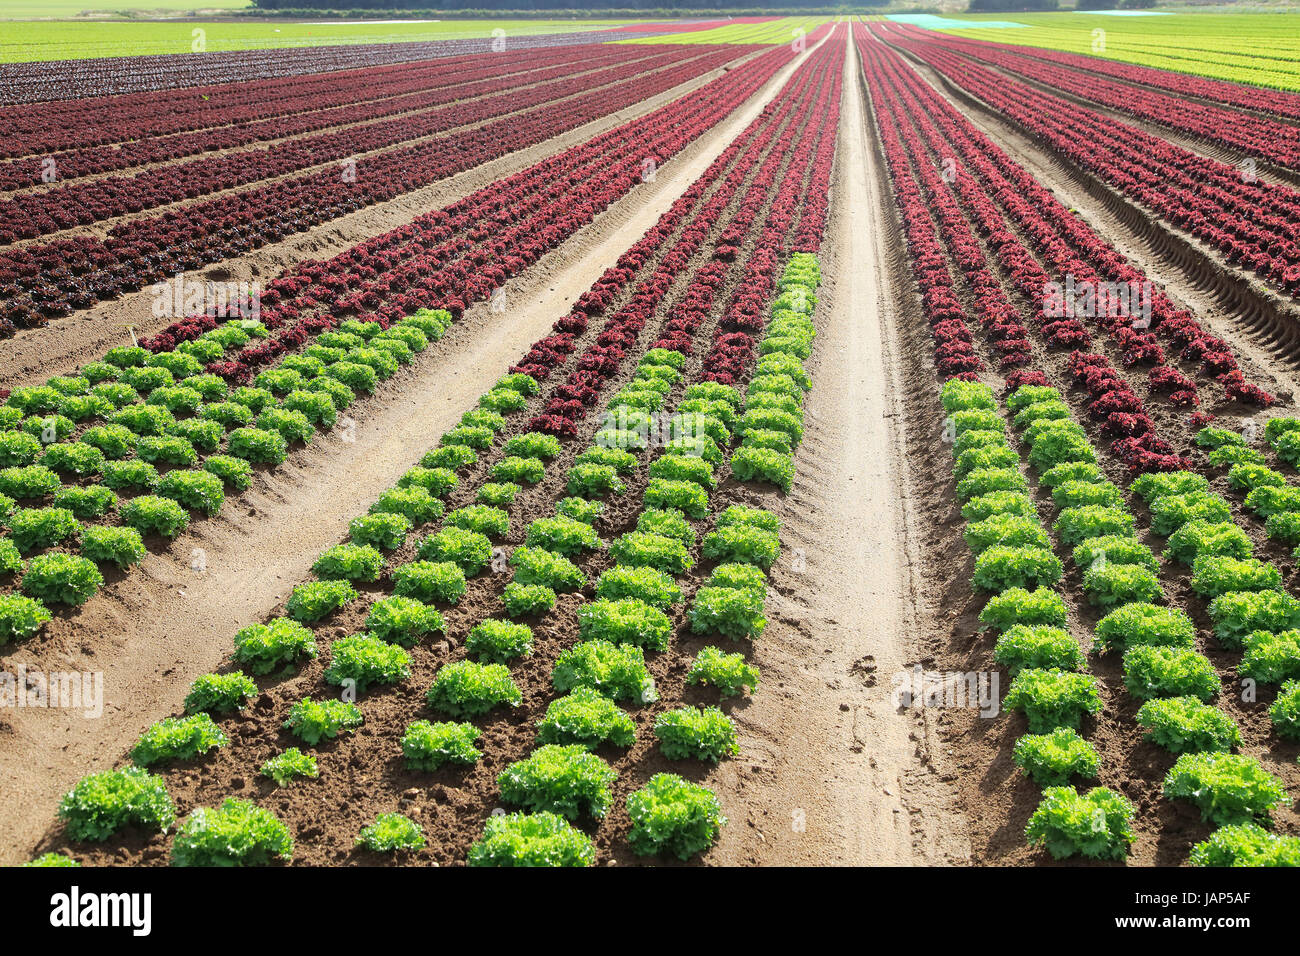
(728, 441)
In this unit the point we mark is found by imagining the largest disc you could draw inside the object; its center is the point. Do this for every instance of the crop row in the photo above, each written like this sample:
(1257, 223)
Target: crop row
(1250, 221)
(74, 273)
(1253, 135)
(75, 124)
(405, 93)
(987, 180)
(84, 203)
(57, 81)
(469, 249)
(1260, 100)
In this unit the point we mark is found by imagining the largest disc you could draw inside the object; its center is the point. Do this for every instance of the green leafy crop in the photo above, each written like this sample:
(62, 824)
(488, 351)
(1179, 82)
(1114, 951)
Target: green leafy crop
(85, 503)
(62, 579)
(430, 581)
(559, 778)
(258, 446)
(624, 621)
(468, 549)
(999, 568)
(386, 531)
(1169, 672)
(264, 647)
(591, 480)
(579, 509)
(349, 562)
(1203, 539)
(104, 803)
(32, 528)
(1074, 525)
(135, 476)
(673, 817)
(390, 833)
(565, 536)
(236, 834)
(1019, 606)
(1285, 711)
(166, 450)
(742, 544)
(1005, 529)
(1053, 698)
(21, 617)
(151, 514)
(314, 600)
(313, 721)
(1246, 844)
(1237, 614)
(219, 693)
(362, 660)
(450, 458)
(1271, 658)
(531, 839)
(1145, 624)
(537, 566)
(468, 689)
(733, 612)
(1215, 576)
(428, 746)
(403, 621)
(286, 767)
(499, 641)
(178, 738)
(413, 503)
(1097, 825)
(482, 519)
(523, 600)
(1052, 759)
(1182, 724)
(638, 549)
(652, 586)
(1117, 584)
(199, 490)
(588, 718)
(1227, 788)
(616, 670)
(1041, 647)
(985, 481)
(701, 733)
(727, 672)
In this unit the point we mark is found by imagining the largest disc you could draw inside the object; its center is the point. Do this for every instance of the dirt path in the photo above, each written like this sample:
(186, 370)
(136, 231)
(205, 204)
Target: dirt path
(831, 772)
(153, 632)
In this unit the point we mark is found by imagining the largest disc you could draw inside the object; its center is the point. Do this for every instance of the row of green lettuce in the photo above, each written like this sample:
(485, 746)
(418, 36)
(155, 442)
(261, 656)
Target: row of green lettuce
(133, 446)
(773, 423)
(1161, 668)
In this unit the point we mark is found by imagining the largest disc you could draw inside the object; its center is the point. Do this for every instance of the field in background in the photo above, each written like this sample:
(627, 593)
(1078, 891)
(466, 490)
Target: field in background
(25, 9)
(1258, 48)
(45, 40)
(779, 30)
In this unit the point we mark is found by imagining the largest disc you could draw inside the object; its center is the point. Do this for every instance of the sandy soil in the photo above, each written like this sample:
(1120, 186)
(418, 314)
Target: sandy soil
(833, 772)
